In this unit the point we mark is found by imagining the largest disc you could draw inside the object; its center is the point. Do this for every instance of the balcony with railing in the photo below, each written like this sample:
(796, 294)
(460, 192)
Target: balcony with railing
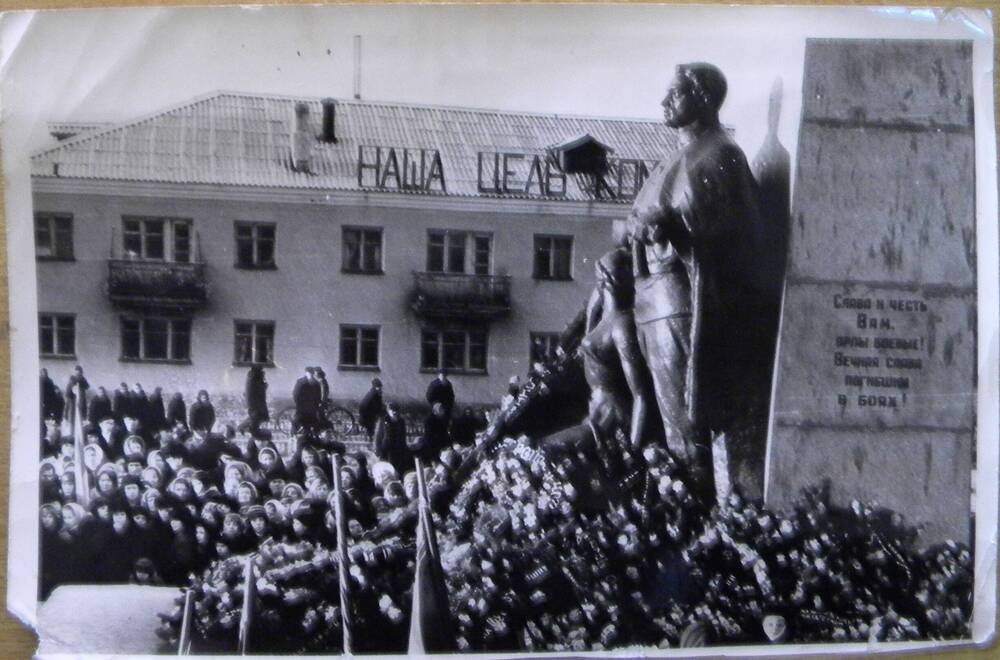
(479, 297)
(134, 282)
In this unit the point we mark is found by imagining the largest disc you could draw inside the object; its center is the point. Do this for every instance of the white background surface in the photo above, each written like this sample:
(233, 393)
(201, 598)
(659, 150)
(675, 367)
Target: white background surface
(107, 65)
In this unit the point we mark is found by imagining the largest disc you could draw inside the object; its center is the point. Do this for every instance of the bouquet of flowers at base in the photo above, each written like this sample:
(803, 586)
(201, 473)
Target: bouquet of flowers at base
(824, 574)
(535, 564)
(296, 605)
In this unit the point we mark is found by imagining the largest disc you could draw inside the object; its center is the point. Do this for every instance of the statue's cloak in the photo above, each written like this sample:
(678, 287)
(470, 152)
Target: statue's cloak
(716, 230)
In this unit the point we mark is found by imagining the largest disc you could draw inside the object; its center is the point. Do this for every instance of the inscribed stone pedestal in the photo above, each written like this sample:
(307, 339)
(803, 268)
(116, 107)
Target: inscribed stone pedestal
(876, 367)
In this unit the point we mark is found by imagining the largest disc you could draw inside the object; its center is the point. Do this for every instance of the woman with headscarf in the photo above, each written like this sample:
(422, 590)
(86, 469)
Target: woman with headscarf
(246, 495)
(277, 519)
(51, 566)
(292, 493)
(204, 546)
(106, 483)
(74, 544)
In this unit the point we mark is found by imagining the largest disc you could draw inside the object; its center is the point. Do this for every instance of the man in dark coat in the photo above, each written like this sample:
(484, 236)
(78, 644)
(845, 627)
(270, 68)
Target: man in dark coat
(71, 387)
(390, 439)
(121, 403)
(157, 415)
(140, 407)
(441, 391)
(99, 407)
(176, 410)
(201, 417)
(371, 407)
(256, 399)
(307, 396)
(436, 434)
(51, 404)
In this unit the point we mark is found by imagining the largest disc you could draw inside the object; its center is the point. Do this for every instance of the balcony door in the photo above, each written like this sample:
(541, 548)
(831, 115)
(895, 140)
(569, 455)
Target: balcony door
(459, 252)
(157, 239)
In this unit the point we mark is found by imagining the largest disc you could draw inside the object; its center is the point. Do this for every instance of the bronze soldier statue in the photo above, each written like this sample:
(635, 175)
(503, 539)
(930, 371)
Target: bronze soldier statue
(694, 232)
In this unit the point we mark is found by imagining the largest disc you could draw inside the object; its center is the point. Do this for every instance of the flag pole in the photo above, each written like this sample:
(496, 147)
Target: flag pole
(249, 592)
(343, 557)
(80, 474)
(184, 645)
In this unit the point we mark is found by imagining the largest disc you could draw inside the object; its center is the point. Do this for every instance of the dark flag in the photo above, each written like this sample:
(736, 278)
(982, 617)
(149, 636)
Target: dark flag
(430, 618)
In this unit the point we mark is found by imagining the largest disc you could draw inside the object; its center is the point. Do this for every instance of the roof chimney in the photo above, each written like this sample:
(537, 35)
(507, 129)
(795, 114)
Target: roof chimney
(329, 120)
(302, 139)
(357, 67)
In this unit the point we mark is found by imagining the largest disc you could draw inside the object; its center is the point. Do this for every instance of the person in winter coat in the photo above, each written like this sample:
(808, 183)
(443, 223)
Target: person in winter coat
(99, 407)
(307, 396)
(176, 410)
(202, 414)
(441, 391)
(157, 414)
(256, 399)
(390, 439)
(371, 407)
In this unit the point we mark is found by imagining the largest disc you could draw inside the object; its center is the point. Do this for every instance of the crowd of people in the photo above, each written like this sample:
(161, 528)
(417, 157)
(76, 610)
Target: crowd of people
(169, 488)
(545, 546)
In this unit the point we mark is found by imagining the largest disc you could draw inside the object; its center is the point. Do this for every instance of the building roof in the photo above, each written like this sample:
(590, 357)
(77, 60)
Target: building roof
(240, 139)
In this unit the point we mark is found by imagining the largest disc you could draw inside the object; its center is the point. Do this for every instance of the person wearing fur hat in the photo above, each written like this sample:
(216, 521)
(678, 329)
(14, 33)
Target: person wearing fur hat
(144, 573)
(307, 521)
(118, 555)
(131, 490)
(259, 527)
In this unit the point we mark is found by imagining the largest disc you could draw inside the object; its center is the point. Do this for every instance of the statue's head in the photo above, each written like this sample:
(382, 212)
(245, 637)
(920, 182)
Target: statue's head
(696, 93)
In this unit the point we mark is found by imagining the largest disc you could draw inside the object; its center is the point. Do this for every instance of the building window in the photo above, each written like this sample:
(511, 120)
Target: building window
(54, 236)
(57, 335)
(157, 239)
(458, 252)
(481, 250)
(543, 346)
(254, 343)
(254, 245)
(359, 347)
(553, 257)
(156, 339)
(456, 350)
(362, 250)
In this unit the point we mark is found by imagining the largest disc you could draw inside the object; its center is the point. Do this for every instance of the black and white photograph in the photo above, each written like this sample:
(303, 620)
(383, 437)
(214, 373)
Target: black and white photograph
(510, 330)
